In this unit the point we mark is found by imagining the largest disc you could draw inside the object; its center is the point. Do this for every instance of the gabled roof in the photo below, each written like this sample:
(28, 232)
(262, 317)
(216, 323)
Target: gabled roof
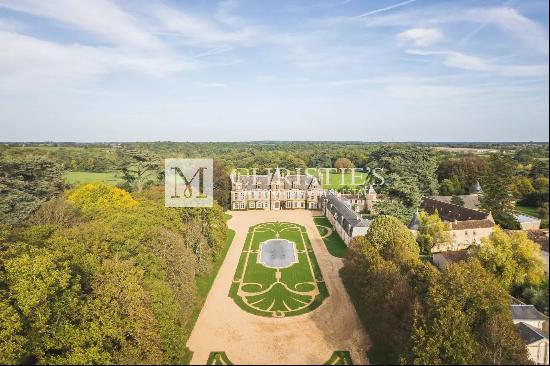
(530, 334)
(455, 256)
(471, 201)
(449, 212)
(526, 312)
(301, 181)
(460, 218)
(340, 209)
(251, 181)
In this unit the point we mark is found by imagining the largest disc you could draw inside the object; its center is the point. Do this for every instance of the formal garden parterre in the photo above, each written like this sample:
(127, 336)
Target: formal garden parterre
(284, 287)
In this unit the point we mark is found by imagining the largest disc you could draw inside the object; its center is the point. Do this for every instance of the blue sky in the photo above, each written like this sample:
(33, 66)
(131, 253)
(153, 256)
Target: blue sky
(236, 70)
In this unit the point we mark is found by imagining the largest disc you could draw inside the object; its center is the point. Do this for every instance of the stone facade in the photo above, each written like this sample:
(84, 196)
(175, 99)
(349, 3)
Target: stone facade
(346, 222)
(467, 226)
(275, 192)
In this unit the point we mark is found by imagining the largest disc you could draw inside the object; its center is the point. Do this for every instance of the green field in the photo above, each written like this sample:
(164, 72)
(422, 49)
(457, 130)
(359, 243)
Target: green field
(278, 292)
(531, 211)
(337, 180)
(335, 245)
(76, 178)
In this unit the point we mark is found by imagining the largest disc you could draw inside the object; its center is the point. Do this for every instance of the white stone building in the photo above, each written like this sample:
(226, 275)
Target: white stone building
(532, 327)
(467, 226)
(275, 192)
(346, 222)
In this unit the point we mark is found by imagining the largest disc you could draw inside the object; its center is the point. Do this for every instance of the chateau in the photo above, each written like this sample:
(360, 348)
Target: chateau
(275, 192)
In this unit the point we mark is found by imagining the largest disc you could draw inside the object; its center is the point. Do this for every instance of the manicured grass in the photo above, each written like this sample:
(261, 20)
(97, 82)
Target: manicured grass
(340, 358)
(531, 211)
(75, 178)
(218, 358)
(337, 180)
(271, 292)
(335, 245)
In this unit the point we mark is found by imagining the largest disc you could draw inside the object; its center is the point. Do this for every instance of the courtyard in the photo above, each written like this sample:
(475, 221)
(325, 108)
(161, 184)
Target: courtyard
(276, 331)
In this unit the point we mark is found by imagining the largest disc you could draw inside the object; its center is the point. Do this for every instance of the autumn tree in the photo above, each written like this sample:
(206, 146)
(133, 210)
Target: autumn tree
(466, 319)
(462, 172)
(343, 164)
(513, 259)
(432, 231)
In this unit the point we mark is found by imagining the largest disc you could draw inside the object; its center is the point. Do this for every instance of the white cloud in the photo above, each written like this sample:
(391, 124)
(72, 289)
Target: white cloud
(506, 19)
(34, 61)
(421, 37)
(473, 63)
(199, 30)
(102, 18)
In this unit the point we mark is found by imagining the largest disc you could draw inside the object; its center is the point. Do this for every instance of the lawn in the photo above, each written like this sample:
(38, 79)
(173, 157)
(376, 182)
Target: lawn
(338, 180)
(76, 178)
(281, 291)
(531, 211)
(335, 245)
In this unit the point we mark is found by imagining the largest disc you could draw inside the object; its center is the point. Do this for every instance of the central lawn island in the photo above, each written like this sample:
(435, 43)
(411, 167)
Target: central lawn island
(278, 274)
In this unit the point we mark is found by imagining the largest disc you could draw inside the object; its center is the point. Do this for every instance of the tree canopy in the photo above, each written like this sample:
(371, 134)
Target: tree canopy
(25, 183)
(513, 259)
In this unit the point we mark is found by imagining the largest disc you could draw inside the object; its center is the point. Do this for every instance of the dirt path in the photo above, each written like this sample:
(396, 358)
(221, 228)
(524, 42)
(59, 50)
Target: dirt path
(306, 339)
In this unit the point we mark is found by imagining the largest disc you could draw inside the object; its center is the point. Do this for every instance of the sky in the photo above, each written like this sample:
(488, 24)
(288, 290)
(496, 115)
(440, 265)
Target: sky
(242, 70)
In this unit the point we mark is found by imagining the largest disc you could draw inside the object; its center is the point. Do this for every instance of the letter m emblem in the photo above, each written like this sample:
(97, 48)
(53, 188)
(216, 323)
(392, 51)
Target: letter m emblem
(188, 183)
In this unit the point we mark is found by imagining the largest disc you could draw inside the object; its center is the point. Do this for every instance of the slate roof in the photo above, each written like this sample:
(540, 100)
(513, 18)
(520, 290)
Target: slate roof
(526, 312)
(250, 181)
(449, 212)
(461, 218)
(530, 334)
(301, 181)
(340, 209)
(455, 256)
(471, 201)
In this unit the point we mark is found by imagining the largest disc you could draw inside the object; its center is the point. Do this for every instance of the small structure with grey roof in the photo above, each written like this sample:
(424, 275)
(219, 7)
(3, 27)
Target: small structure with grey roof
(443, 259)
(528, 314)
(536, 341)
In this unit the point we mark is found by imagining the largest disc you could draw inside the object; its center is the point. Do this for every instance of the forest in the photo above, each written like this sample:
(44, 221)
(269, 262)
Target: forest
(101, 272)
